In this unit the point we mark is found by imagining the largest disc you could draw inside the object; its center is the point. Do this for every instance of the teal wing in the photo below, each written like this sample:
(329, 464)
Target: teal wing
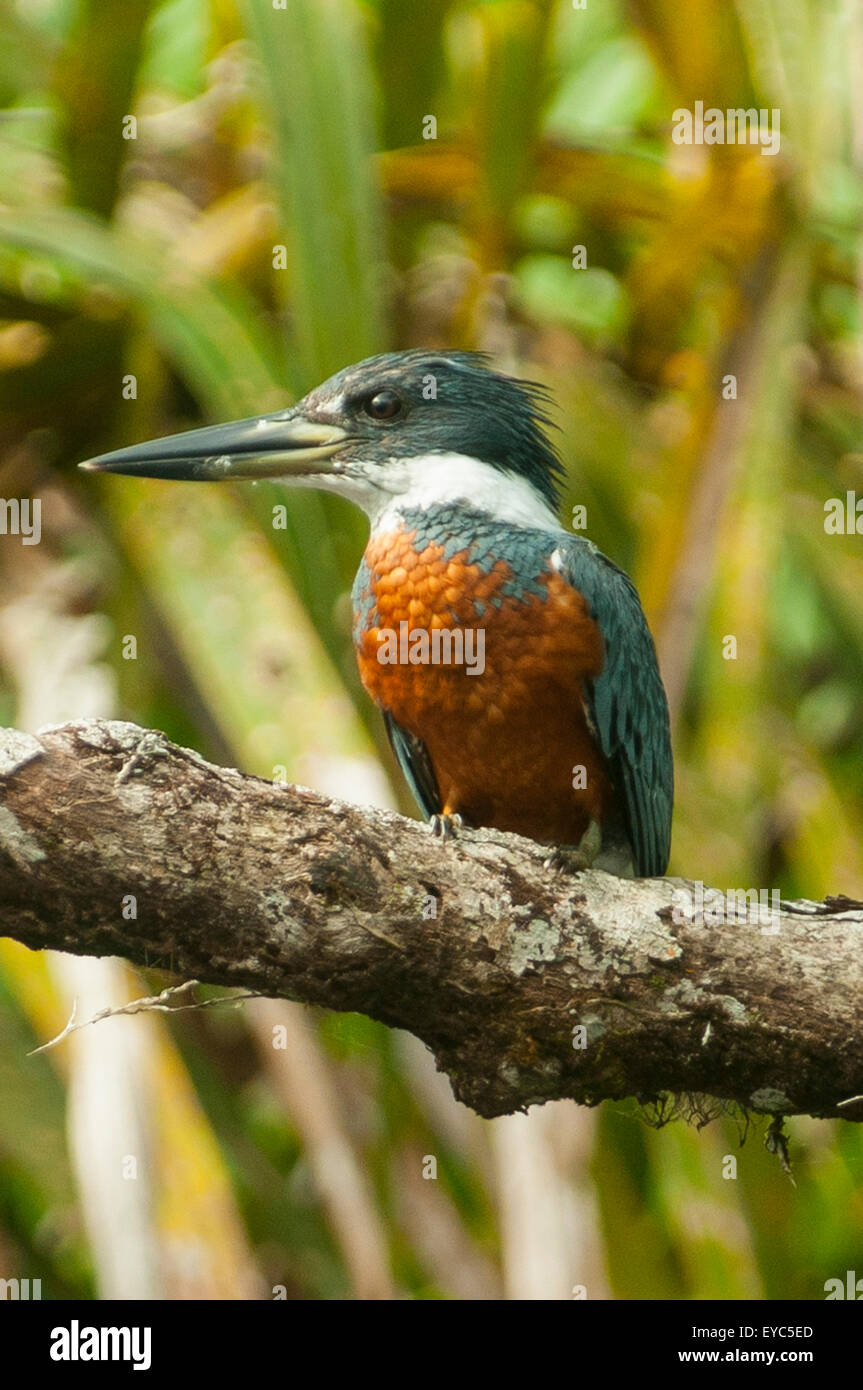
(627, 705)
(415, 763)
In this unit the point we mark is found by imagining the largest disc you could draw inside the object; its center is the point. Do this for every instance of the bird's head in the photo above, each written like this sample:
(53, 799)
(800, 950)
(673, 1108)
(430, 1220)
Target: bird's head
(404, 428)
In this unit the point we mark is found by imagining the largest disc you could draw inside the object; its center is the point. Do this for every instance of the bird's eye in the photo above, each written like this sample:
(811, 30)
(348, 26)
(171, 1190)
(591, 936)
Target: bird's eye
(383, 405)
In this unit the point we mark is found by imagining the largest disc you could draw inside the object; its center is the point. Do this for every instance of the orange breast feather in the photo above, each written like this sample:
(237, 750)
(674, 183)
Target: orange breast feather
(510, 747)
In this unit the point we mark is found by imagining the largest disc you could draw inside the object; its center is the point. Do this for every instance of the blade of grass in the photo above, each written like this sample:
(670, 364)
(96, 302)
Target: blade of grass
(318, 90)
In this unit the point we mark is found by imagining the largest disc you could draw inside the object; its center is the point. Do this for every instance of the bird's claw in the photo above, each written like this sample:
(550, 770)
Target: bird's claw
(565, 859)
(575, 859)
(445, 826)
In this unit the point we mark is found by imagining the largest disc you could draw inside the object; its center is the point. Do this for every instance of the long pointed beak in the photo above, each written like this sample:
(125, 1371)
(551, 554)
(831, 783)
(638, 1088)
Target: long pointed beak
(271, 446)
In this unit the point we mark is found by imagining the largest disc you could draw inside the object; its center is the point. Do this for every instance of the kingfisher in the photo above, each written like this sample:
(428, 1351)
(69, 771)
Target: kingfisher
(510, 658)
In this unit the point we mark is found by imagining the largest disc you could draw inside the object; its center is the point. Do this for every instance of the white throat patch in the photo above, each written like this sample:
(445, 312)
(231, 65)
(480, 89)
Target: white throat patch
(433, 480)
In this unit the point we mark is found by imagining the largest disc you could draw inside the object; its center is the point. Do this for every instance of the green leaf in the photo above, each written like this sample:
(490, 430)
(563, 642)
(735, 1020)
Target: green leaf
(318, 90)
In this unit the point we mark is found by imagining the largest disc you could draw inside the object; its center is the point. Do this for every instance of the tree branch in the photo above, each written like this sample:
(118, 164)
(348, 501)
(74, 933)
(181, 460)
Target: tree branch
(527, 983)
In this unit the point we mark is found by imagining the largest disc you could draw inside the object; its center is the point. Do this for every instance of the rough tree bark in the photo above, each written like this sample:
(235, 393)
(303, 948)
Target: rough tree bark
(528, 983)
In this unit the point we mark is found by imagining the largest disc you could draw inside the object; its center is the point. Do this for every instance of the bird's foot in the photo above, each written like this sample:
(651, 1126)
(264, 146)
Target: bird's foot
(566, 860)
(574, 859)
(446, 826)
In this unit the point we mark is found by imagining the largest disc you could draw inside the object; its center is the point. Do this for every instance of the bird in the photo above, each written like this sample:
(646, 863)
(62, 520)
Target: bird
(510, 658)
